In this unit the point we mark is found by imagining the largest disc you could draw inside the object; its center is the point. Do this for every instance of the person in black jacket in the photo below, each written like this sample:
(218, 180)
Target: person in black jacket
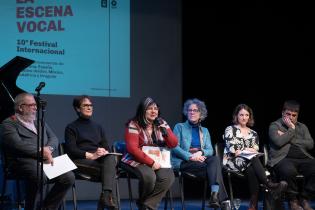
(87, 146)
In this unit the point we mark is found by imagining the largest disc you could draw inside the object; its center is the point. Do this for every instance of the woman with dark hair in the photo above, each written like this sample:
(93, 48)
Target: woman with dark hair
(87, 146)
(146, 128)
(239, 139)
(194, 153)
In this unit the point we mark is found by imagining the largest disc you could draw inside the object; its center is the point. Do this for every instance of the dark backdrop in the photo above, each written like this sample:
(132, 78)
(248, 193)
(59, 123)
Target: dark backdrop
(255, 52)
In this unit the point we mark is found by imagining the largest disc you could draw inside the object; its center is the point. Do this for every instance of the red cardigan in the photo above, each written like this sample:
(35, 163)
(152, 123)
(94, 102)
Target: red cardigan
(135, 139)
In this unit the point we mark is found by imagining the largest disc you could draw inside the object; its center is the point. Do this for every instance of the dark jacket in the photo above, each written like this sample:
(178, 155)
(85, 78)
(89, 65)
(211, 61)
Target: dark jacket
(280, 144)
(20, 143)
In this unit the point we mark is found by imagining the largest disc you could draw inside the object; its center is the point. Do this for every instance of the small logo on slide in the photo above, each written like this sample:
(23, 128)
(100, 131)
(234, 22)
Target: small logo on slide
(114, 3)
(104, 3)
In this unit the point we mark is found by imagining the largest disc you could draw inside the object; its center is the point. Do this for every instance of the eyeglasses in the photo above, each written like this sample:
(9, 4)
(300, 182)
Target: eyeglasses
(87, 105)
(193, 110)
(30, 105)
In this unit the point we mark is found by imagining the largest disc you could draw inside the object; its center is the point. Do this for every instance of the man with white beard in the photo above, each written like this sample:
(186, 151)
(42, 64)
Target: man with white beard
(19, 139)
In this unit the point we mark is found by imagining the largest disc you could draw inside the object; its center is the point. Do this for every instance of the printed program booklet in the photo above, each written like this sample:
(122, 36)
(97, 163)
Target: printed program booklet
(159, 154)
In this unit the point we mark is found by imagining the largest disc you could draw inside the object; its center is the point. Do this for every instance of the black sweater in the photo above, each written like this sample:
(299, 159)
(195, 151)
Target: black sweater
(84, 135)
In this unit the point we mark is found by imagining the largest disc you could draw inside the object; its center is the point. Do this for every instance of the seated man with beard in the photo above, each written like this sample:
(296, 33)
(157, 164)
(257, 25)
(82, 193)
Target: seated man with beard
(19, 139)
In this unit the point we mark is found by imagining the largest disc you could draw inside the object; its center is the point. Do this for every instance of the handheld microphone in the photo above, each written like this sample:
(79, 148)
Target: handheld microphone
(158, 121)
(40, 86)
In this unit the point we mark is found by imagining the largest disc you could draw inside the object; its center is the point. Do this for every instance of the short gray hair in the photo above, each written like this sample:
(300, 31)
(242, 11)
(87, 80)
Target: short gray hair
(19, 99)
(201, 106)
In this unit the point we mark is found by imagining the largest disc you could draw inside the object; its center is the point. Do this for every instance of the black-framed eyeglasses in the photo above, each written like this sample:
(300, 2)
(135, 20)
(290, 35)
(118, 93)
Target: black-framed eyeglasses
(193, 110)
(30, 105)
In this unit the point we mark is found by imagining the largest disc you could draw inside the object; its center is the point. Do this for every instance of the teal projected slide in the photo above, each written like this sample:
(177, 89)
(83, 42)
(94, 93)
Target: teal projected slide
(79, 46)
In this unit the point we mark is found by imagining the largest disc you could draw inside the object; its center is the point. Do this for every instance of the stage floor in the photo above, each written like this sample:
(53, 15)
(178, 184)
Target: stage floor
(189, 204)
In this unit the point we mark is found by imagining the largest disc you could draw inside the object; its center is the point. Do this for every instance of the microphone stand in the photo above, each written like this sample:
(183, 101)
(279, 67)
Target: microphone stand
(41, 108)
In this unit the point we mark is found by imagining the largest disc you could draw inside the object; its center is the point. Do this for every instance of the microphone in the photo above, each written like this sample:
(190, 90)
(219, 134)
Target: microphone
(158, 121)
(40, 86)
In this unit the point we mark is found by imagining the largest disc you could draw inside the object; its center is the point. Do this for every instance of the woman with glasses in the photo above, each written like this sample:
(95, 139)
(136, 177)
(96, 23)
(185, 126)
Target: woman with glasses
(87, 146)
(146, 128)
(194, 153)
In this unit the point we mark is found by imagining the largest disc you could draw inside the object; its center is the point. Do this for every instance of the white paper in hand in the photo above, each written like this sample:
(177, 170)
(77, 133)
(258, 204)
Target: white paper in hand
(249, 155)
(62, 164)
(159, 154)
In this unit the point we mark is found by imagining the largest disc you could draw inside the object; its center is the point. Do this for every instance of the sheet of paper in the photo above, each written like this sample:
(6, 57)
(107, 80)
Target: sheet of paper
(249, 155)
(159, 154)
(62, 164)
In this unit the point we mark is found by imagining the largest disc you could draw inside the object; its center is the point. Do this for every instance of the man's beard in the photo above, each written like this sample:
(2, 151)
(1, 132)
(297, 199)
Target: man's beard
(29, 117)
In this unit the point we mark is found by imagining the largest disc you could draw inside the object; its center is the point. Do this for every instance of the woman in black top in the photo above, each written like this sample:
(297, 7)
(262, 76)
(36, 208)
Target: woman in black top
(87, 146)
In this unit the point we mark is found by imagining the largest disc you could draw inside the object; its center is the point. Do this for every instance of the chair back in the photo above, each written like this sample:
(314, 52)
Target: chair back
(8, 173)
(79, 174)
(4, 163)
(266, 155)
(61, 148)
(219, 150)
(120, 146)
(3, 156)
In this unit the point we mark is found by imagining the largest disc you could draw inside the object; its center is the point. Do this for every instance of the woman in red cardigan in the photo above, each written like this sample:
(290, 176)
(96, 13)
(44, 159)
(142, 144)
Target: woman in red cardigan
(147, 129)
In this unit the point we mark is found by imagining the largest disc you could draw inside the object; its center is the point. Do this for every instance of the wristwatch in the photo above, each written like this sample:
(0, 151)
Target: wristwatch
(51, 148)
